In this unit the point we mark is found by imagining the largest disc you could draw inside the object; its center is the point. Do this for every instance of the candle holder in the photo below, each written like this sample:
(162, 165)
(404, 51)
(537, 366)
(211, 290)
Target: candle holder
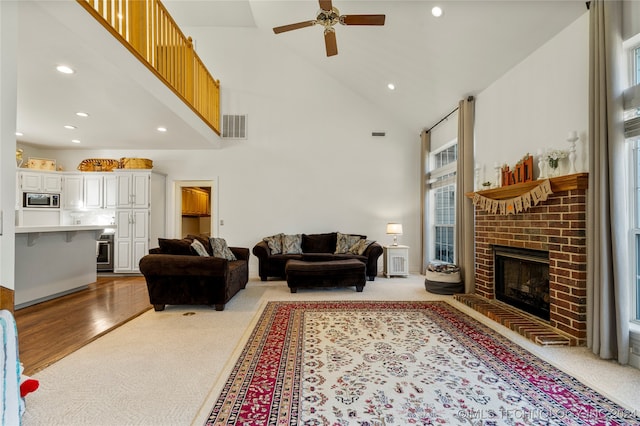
(572, 139)
(541, 165)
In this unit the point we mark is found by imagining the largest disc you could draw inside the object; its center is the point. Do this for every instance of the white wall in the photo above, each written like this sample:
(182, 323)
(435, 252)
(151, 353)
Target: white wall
(310, 163)
(535, 105)
(630, 18)
(8, 87)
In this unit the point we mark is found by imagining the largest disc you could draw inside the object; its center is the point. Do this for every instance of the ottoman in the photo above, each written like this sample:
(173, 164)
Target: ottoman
(331, 273)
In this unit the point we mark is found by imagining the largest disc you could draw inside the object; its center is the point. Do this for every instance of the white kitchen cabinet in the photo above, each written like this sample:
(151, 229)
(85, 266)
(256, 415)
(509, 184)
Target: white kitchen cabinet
(93, 191)
(33, 181)
(133, 189)
(72, 191)
(132, 239)
(133, 208)
(110, 191)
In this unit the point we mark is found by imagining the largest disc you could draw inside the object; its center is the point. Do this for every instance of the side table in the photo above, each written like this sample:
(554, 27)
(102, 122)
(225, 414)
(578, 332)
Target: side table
(396, 261)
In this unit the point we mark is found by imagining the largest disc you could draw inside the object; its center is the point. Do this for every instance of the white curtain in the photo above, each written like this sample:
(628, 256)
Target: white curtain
(465, 253)
(608, 286)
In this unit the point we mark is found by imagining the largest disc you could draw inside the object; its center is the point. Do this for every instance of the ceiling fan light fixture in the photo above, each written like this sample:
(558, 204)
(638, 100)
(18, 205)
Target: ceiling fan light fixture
(328, 16)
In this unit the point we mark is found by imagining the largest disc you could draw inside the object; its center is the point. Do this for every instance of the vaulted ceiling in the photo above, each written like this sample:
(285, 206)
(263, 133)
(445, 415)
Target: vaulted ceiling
(433, 62)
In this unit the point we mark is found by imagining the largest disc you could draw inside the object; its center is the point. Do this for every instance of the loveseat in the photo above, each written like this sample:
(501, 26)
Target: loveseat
(274, 251)
(177, 275)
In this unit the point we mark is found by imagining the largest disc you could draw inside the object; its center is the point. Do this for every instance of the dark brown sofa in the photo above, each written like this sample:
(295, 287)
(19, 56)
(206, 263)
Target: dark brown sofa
(189, 279)
(315, 248)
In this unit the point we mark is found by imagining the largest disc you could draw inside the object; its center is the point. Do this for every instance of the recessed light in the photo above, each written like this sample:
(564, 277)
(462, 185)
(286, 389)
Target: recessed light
(65, 69)
(436, 11)
(19, 134)
(161, 129)
(70, 127)
(82, 114)
(75, 140)
(391, 86)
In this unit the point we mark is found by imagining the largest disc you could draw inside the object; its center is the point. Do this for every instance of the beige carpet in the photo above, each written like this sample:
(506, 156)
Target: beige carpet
(166, 368)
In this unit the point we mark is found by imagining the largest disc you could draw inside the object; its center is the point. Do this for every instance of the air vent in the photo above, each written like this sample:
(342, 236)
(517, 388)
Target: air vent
(378, 133)
(234, 126)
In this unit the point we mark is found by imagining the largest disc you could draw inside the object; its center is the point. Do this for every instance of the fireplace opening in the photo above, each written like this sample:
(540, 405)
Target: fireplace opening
(522, 279)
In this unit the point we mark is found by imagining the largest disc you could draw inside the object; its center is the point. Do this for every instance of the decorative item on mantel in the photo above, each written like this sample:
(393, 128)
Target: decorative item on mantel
(572, 139)
(517, 204)
(523, 171)
(553, 157)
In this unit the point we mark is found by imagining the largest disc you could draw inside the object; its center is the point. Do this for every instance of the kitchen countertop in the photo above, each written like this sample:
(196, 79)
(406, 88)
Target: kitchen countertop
(61, 228)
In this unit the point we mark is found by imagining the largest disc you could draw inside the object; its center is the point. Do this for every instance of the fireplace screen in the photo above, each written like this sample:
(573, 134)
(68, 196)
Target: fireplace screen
(522, 279)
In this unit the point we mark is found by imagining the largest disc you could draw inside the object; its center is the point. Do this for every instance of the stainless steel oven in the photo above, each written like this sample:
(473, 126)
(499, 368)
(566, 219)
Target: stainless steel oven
(104, 252)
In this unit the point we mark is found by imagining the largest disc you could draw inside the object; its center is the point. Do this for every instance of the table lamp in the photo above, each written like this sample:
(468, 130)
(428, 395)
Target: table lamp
(394, 229)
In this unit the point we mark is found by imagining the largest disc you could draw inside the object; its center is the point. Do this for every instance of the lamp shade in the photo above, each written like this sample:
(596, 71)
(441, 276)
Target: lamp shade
(394, 228)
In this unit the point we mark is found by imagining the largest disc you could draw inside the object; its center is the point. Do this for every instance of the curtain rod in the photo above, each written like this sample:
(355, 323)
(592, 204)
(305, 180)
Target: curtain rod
(469, 99)
(443, 119)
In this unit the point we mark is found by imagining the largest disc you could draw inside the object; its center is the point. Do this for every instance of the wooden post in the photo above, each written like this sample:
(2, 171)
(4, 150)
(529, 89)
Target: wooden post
(137, 25)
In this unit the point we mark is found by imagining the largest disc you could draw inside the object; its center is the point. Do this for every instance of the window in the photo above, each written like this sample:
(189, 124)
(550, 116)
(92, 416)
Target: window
(441, 199)
(636, 62)
(632, 134)
(635, 229)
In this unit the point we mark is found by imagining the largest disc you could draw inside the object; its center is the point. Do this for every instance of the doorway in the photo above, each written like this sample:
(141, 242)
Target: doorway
(195, 208)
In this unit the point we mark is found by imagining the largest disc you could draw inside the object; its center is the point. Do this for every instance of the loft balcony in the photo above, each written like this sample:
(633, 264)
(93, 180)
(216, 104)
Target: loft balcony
(147, 30)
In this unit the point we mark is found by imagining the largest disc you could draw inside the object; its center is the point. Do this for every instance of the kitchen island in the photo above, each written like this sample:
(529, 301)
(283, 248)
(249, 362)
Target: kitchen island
(54, 260)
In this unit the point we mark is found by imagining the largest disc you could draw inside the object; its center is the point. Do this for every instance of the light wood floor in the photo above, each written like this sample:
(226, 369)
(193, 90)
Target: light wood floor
(51, 330)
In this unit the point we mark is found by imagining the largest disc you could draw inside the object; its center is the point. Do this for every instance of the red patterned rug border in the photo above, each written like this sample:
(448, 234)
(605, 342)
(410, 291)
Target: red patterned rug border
(561, 396)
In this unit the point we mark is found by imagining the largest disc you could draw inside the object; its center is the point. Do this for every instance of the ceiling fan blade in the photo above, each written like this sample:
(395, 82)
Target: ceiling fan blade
(330, 42)
(362, 19)
(325, 5)
(295, 26)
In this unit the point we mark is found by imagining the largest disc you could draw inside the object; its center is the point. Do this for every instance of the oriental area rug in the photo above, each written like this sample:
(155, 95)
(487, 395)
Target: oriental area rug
(397, 363)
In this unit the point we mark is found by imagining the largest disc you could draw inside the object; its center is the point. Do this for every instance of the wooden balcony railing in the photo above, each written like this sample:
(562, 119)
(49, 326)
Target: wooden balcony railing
(150, 33)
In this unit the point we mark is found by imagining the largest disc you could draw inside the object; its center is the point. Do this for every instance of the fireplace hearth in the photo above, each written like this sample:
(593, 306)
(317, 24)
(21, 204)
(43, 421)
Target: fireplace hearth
(522, 279)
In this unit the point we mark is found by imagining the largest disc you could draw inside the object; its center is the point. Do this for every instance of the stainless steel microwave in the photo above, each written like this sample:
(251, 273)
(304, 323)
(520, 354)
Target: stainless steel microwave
(41, 200)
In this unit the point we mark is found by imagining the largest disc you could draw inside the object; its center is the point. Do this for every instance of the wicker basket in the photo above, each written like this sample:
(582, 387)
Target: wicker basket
(135, 163)
(98, 165)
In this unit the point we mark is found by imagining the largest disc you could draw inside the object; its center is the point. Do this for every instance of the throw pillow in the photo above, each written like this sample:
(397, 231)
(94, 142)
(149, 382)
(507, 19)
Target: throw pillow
(345, 241)
(204, 240)
(292, 244)
(220, 249)
(199, 248)
(275, 243)
(360, 247)
(175, 246)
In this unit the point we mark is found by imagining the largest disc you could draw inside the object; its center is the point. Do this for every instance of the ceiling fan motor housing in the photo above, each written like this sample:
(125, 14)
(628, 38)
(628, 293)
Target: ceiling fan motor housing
(328, 18)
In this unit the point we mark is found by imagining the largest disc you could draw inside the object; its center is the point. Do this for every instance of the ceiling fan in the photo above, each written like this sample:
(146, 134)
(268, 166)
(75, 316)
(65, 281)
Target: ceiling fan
(328, 16)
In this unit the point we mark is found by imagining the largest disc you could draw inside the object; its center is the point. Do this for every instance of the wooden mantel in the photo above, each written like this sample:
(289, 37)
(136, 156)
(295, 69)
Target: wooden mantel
(558, 184)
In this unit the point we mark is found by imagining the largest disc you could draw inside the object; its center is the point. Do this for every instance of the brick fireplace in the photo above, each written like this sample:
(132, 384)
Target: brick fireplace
(557, 226)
